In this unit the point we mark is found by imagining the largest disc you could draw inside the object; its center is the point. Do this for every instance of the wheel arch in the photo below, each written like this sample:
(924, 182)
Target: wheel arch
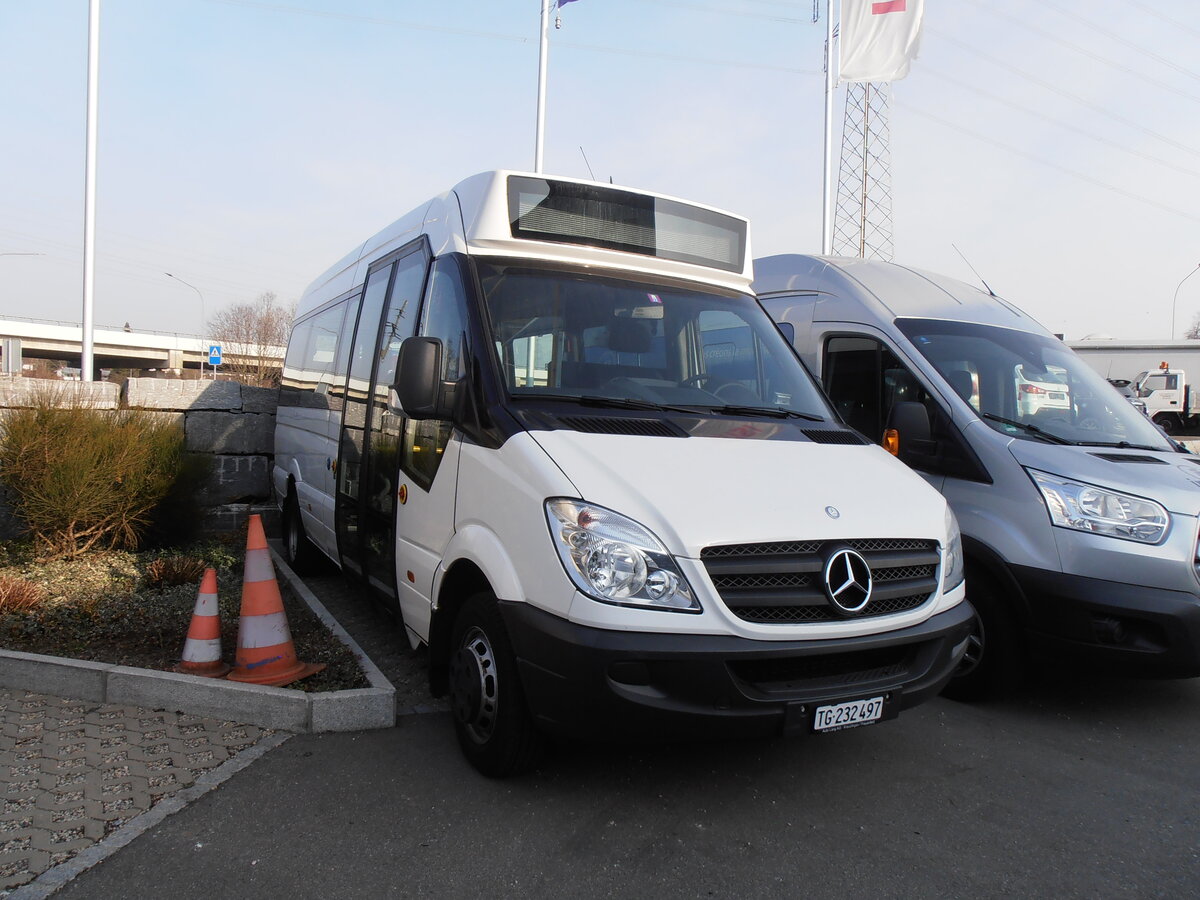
(480, 563)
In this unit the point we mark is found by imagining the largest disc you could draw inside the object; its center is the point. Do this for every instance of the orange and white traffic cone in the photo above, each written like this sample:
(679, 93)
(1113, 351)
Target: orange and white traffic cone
(202, 649)
(265, 652)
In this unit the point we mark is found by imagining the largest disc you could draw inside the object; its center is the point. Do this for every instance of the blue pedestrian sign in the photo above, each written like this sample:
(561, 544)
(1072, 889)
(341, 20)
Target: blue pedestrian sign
(214, 354)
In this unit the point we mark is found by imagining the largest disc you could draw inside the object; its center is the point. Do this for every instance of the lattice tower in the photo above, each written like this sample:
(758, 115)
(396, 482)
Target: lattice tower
(862, 221)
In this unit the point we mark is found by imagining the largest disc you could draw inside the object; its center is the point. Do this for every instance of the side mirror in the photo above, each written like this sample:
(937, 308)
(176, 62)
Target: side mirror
(908, 431)
(419, 387)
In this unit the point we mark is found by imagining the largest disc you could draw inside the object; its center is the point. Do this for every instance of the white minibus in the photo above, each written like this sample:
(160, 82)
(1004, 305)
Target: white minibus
(547, 422)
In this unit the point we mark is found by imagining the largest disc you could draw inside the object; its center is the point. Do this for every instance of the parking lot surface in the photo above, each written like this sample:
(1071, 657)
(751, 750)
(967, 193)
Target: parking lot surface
(1080, 786)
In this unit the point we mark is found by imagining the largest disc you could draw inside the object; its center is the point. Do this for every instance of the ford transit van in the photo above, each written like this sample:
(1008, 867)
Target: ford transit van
(549, 424)
(1079, 517)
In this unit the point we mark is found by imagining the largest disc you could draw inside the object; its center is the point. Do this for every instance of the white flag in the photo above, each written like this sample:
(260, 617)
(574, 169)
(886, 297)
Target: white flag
(879, 38)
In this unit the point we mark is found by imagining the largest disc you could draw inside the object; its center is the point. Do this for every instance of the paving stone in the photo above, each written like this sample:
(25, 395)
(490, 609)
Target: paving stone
(73, 771)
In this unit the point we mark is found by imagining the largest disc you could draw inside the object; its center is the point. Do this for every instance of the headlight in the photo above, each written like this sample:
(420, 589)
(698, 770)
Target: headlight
(954, 565)
(616, 560)
(1086, 507)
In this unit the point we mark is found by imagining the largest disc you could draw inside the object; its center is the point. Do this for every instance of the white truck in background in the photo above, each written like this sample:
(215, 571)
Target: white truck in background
(1168, 398)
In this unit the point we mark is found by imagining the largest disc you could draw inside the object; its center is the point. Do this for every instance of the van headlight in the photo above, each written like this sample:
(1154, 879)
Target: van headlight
(614, 559)
(954, 564)
(1085, 507)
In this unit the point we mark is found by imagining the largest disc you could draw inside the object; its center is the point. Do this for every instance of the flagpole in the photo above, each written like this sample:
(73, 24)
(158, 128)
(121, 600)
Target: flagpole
(827, 173)
(541, 97)
(87, 346)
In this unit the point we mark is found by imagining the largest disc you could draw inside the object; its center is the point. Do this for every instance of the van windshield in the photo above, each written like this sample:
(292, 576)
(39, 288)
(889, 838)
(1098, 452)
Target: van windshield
(600, 340)
(1030, 386)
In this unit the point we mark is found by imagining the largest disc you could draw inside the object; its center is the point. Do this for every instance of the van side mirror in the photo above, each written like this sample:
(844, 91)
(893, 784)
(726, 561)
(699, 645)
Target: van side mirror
(908, 432)
(419, 385)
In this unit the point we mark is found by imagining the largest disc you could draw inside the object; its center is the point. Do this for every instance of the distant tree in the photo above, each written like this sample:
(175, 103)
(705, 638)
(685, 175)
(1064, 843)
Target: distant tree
(1193, 332)
(253, 338)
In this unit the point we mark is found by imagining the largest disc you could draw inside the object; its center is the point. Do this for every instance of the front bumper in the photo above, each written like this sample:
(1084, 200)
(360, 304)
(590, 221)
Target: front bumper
(1129, 628)
(583, 682)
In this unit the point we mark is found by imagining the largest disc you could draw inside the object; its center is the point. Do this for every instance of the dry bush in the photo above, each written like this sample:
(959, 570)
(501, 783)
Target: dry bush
(172, 570)
(18, 594)
(81, 478)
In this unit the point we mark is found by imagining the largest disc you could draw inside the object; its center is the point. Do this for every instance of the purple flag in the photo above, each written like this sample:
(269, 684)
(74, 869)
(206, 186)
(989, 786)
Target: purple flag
(562, 3)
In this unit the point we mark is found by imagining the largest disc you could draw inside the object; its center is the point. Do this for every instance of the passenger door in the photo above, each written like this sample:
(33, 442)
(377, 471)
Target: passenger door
(429, 454)
(369, 448)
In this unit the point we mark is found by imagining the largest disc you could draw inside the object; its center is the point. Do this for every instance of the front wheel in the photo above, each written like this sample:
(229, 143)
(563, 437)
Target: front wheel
(298, 551)
(994, 662)
(494, 728)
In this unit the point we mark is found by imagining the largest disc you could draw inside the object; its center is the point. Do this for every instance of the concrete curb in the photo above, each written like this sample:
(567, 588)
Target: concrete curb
(266, 707)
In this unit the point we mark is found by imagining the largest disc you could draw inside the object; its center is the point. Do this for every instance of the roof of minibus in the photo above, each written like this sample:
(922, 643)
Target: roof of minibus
(889, 290)
(473, 217)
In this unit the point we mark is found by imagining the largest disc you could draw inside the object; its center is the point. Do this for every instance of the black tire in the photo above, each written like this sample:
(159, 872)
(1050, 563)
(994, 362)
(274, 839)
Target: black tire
(994, 663)
(298, 551)
(494, 728)
(1168, 423)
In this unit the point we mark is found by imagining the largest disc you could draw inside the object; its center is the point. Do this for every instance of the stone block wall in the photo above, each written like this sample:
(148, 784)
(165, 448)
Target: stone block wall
(232, 423)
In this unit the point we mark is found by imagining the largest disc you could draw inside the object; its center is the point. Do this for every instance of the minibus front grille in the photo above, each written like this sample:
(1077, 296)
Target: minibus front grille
(779, 583)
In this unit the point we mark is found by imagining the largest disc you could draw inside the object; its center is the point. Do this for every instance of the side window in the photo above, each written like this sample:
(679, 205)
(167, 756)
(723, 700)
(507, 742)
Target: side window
(853, 377)
(444, 316)
(308, 367)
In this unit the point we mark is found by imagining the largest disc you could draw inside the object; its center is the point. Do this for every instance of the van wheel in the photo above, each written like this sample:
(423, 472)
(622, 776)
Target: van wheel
(994, 662)
(494, 728)
(298, 551)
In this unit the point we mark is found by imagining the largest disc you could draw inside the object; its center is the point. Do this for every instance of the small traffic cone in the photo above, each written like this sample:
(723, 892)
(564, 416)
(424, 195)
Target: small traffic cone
(265, 652)
(202, 649)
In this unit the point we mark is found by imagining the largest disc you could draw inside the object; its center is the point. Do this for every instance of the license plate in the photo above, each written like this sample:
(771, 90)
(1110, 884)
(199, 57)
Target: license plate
(847, 715)
(1057, 395)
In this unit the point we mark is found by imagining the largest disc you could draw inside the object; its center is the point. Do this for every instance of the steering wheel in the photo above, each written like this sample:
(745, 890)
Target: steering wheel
(697, 379)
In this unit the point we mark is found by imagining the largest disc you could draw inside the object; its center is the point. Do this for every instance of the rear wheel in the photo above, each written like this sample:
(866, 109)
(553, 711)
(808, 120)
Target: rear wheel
(994, 662)
(494, 728)
(298, 551)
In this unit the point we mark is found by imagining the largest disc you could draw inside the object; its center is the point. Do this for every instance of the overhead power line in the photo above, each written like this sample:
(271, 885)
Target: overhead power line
(512, 38)
(1094, 107)
(1056, 121)
(1091, 54)
(1079, 176)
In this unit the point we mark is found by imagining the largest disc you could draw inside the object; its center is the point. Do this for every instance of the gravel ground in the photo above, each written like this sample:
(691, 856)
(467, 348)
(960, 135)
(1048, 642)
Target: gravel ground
(381, 637)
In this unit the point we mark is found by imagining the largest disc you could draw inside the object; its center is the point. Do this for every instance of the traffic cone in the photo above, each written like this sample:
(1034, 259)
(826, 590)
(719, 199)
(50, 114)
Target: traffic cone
(265, 652)
(202, 649)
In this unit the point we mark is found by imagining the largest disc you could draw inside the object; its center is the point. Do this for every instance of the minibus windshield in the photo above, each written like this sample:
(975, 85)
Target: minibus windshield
(1030, 386)
(627, 343)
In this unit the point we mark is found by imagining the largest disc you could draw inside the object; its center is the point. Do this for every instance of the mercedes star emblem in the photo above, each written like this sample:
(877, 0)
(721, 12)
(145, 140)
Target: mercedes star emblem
(847, 581)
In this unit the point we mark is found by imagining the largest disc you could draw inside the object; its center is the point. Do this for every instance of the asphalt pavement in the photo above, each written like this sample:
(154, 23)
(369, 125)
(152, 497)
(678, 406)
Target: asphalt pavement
(1080, 787)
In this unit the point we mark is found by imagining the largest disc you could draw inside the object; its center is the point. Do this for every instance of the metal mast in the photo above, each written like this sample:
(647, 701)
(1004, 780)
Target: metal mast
(863, 217)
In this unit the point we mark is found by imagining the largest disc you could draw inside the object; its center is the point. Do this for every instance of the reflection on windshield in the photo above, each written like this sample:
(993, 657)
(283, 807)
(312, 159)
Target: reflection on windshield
(565, 335)
(1030, 386)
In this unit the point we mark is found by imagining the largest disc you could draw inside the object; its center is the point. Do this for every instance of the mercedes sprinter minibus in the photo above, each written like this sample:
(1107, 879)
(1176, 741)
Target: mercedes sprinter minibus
(547, 421)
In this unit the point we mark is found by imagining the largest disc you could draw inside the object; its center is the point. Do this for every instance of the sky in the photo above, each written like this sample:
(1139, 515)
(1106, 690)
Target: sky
(246, 146)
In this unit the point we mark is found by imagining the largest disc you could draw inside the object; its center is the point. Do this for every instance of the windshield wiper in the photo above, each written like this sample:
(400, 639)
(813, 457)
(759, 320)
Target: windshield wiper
(772, 411)
(1123, 445)
(1032, 429)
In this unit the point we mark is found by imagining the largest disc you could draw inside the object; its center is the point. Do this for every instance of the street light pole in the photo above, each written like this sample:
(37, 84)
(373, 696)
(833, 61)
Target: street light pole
(202, 317)
(1176, 297)
(89, 191)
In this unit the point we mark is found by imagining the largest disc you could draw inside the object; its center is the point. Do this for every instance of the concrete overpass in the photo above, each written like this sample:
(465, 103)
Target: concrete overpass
(113, 347)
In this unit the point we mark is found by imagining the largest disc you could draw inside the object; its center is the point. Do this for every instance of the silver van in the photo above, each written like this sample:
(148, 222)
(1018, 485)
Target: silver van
(1078, 516)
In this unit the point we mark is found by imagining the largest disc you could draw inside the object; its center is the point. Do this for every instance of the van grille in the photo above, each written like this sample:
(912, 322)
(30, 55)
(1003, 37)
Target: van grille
(780, 582)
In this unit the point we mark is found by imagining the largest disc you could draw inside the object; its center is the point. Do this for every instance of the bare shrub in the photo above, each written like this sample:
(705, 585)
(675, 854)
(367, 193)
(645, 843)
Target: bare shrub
(18, 594)
(169, 571)
(82, 478)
